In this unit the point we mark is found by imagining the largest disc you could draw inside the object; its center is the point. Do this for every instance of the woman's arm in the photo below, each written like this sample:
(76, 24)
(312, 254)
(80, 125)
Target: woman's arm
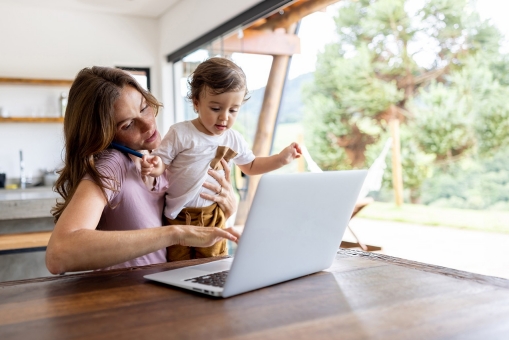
(76, 245)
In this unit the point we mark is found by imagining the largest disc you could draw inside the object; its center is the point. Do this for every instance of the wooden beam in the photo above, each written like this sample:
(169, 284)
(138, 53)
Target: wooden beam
(270, 106)
(266, 126)
(293, 13)
(301, 161)
(397, 170)
(259, 42)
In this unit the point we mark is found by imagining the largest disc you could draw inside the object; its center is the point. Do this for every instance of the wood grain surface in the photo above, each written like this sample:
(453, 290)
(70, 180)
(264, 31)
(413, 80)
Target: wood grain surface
(32, 120)
(34, 81)
(361, 296)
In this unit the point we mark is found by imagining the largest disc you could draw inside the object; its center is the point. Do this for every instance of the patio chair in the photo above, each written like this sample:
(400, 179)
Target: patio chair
(373, 183)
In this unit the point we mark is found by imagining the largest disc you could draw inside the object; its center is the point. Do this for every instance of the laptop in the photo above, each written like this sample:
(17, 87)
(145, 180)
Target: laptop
(294, 228)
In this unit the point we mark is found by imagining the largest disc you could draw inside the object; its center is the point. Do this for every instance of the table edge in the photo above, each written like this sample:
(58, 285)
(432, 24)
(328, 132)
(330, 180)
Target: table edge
(163, 266)
(455, 273)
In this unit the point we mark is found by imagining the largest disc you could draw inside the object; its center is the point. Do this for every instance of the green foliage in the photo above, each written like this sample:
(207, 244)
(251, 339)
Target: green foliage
(443, 121)
(433, 64)
(472, 183)
(346, 95)
(326, 126)
(468, 113)
(417, 165)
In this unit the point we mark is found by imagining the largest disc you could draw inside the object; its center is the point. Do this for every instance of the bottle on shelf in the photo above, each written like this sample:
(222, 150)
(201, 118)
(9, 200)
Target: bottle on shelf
(63, 103)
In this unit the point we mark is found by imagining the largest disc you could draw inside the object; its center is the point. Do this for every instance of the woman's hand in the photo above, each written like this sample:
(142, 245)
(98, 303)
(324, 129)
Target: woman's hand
(225, 196)
(193, 236)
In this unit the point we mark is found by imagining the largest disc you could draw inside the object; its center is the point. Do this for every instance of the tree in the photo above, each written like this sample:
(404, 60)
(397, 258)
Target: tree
(466, 114)
(408, 55)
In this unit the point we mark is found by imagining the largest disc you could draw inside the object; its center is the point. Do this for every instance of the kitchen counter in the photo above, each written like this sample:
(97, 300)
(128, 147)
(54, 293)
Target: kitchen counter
(25, 214)
(26, 203)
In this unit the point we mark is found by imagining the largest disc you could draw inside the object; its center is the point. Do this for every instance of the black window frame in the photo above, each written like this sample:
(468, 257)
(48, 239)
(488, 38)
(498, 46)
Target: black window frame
(138, 69)
(261, 10)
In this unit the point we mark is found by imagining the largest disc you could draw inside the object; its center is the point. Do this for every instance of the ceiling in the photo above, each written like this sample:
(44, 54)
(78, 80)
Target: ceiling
(141, 8)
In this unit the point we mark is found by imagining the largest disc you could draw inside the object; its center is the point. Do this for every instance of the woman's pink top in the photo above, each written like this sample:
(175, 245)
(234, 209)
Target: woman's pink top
(133, 206)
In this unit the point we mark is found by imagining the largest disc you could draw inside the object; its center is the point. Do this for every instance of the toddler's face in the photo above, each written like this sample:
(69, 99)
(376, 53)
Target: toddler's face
(217, 113)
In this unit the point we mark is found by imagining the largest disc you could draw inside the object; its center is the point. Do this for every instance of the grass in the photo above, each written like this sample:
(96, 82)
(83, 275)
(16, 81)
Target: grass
(492, 221)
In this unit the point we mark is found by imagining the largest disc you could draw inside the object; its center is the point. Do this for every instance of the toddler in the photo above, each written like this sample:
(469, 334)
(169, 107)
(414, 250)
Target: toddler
(191, 148)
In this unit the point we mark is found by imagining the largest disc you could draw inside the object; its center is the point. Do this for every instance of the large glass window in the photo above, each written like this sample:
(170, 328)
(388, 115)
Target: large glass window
(354, 74)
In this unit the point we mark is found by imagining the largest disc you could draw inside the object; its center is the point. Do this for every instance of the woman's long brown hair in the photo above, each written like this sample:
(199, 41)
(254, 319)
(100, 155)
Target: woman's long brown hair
(89, 127)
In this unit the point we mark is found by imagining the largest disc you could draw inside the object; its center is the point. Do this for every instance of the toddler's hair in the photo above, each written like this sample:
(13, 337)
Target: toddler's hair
(218, 75)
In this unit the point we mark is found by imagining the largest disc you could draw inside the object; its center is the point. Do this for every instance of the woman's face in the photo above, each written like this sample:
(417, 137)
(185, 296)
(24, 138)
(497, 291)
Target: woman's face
(135, 121)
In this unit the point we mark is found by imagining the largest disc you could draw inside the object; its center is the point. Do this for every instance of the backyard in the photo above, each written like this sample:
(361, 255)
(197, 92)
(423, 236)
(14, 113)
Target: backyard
(473, 240)
(454, 133)
(482, 220)
(469, 240)
(468, 250)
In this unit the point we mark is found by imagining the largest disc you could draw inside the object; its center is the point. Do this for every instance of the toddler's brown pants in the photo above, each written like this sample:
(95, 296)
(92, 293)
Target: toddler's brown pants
(211, 216)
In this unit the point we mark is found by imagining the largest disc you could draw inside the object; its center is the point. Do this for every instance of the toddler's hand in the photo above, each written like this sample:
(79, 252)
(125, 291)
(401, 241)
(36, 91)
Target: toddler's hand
(290, 153)
(148, 163)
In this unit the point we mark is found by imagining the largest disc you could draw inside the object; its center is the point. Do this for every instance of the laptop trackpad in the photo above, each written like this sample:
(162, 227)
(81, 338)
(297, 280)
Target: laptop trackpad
(216, 266)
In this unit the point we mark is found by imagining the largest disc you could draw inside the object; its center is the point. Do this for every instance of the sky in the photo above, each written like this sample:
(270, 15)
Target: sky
(318, 29)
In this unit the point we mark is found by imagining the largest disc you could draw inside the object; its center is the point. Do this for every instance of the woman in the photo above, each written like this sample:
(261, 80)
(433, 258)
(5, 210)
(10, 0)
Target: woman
(110, 216)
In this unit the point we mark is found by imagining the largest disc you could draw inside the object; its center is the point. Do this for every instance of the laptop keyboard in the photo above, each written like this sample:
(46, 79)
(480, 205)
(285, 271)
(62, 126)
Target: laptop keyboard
(215, 279)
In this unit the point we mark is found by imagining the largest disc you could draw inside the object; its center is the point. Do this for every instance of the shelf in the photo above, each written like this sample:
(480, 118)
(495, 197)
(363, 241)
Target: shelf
(36, 82)
(24, 240)
(32, 120)
(30, 81)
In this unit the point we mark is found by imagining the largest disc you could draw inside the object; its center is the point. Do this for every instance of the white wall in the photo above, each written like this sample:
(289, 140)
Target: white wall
(36, 42)
(43, 43)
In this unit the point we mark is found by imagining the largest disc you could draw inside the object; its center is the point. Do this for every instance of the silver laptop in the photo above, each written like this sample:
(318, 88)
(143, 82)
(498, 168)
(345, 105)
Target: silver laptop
(294, 228)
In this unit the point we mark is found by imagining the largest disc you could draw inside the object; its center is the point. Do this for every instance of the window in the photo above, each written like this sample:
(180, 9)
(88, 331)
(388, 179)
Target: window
(141, 74)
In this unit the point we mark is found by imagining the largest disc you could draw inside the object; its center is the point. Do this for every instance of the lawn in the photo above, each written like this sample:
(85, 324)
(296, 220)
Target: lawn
(493, 221)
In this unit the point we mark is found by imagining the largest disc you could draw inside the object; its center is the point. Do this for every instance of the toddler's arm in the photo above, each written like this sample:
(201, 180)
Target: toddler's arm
(152, 166)
(261, 165)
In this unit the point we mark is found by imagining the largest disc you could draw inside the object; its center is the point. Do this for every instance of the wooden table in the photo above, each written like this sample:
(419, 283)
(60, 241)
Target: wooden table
(362, 296)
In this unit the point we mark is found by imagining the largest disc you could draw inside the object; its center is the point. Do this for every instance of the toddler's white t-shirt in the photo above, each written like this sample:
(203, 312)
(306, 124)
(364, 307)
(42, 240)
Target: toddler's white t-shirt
(187, 153)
